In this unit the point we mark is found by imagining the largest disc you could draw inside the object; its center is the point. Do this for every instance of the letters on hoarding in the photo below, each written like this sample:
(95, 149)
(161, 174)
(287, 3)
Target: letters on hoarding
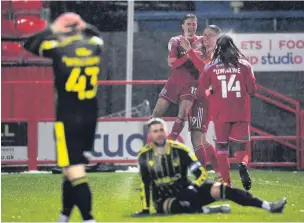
(13, 141)
(113, 140)
(273, 52)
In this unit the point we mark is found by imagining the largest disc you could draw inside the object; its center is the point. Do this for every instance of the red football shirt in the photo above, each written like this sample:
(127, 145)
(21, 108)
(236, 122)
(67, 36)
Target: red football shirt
(175, 50)
(232, 89)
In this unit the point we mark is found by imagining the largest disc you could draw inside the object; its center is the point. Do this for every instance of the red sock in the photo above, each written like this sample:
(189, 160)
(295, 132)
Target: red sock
(224, 166)
(177, 128)
(212, 157)
(242, 156)
(201, 155)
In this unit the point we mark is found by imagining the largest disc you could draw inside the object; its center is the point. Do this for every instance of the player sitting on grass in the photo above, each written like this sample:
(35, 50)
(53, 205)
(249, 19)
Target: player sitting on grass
(163, 168)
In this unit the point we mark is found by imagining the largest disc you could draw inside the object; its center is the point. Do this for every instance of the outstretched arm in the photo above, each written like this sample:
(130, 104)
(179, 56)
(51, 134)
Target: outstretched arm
(144, 188)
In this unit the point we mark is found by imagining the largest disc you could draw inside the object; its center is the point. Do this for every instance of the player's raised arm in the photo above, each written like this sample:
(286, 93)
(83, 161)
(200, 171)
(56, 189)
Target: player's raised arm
(91, 30)
(250, 81)
(37, 42)
(193, 165)
(197, 61)
(41, 42)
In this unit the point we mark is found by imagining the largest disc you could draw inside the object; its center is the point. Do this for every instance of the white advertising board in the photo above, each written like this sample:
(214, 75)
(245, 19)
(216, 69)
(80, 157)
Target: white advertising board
(273, 52)
(117, 140)
(14, 141)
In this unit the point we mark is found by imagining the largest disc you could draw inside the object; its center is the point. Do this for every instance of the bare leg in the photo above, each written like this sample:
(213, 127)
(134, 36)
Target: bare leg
(160, 108)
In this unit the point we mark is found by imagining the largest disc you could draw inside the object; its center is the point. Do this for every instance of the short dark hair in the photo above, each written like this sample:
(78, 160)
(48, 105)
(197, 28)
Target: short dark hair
(155, 121)
(215, 29)
(187, 16)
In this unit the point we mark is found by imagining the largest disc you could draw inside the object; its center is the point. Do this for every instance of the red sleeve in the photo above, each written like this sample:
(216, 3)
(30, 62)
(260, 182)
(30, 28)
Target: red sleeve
(204, 83)
(250, 81)
(197, 61)
(173, 52)
(172, 47)
(179, 61)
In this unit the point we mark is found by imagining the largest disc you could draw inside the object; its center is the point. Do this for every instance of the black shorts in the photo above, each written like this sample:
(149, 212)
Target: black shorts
(196, 202)
(72, 139)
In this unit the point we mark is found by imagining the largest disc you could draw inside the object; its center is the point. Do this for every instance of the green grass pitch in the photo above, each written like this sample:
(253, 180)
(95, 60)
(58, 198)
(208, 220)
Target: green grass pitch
(36, 198)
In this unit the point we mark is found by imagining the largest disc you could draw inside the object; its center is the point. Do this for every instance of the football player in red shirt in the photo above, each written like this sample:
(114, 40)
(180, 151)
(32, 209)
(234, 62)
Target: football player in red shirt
(199, 114)
(182, 77)
(181, 87)
(232, 79)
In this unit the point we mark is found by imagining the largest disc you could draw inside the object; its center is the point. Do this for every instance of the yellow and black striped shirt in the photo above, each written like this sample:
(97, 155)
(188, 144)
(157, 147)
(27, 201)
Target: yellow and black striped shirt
(76, 66)
(166, 174)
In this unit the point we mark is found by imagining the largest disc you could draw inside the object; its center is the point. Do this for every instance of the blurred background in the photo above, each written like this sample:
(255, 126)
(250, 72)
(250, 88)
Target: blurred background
(155, 22)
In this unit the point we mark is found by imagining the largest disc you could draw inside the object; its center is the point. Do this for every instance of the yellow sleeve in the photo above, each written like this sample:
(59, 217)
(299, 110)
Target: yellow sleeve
(47, 45)
(193, 164)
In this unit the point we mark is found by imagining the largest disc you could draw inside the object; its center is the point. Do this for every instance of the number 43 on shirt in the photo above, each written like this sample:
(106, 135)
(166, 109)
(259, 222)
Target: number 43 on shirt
(77, 82)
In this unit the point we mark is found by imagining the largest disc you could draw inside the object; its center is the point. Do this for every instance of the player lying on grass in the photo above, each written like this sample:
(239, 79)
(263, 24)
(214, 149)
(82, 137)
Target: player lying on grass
(163, 168)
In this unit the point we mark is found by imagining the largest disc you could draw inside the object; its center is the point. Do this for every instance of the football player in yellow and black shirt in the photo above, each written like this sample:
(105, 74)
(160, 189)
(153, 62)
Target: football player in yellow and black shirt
(75, 48)
(163, 168)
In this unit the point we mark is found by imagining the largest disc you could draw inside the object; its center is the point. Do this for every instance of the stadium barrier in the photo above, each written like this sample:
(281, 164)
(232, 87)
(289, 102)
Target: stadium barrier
(40, 147)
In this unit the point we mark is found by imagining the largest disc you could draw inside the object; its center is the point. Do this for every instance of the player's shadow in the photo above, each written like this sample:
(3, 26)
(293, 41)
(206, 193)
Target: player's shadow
(165, 215)
(147, 216)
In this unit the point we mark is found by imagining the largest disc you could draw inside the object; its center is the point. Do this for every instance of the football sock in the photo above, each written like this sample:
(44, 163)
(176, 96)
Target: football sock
(177, 128)
(242, 156)
(242, 197)
(224, 166)
(201, 155)
(63, 218)
(90, 221)
(83, 197)
(212, 157)
(67, 198)
(266, 205)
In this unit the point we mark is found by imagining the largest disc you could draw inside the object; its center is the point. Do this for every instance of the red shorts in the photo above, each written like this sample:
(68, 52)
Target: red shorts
(180, 86)
(234, 131)
(198, 118)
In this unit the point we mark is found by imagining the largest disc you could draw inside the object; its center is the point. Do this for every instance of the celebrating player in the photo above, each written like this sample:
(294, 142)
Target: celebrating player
(181, 87)
(76, 53)
(231, 77)
(183, 75)
(163, 168)
(199, 115)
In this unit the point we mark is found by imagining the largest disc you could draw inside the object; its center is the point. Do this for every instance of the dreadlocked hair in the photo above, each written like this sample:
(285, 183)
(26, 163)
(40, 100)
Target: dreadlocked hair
(227, 51)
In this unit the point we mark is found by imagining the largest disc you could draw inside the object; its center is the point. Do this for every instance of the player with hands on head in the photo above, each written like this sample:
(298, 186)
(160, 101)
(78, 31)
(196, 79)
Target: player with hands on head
(76, 49)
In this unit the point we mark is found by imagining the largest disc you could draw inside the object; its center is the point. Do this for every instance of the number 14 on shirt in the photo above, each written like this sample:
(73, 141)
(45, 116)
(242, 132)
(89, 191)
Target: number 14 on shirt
(232, 85)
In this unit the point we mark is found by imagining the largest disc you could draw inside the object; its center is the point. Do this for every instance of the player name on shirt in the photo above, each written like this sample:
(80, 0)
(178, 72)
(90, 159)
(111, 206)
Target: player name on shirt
(230, 70)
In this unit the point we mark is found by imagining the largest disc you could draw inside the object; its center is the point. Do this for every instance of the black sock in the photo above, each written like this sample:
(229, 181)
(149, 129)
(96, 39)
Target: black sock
(83, 197)
(67, 197)
(240, 197)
